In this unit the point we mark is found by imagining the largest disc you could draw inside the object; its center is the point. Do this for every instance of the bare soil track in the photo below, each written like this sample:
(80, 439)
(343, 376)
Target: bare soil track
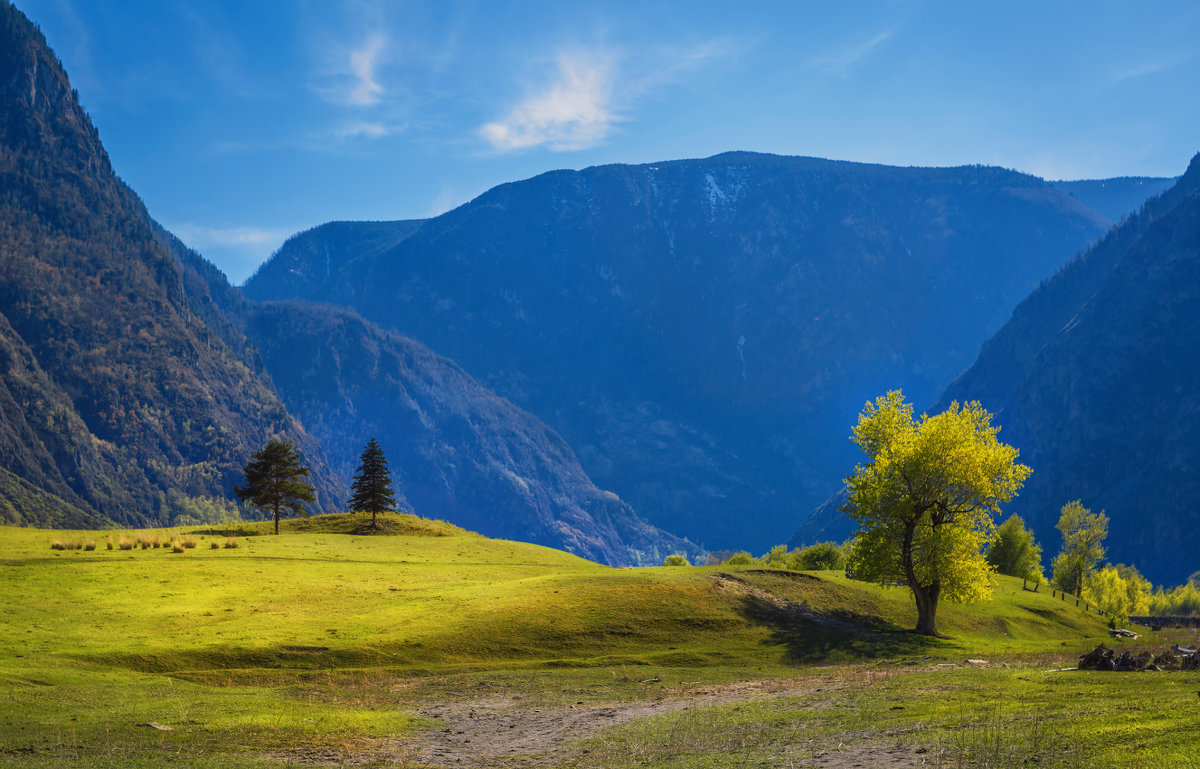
(507, 734)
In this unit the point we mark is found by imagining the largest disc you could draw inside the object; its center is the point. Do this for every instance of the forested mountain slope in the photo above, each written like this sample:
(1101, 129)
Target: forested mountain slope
(702, 332)
(1094, 378)
(115, 397)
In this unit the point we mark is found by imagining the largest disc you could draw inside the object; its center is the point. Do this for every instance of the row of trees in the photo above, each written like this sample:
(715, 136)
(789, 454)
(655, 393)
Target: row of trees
(275, 481)
(925, 503)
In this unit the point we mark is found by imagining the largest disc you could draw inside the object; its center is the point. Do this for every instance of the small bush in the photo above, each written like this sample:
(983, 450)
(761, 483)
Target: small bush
(676, 560)
(89, 545)
(742, 559)
(58, 544)
(126, 544)
(823, 555)
(189, 541)
(231, 542)
(176, 546)
(216, 545)
(109, 543)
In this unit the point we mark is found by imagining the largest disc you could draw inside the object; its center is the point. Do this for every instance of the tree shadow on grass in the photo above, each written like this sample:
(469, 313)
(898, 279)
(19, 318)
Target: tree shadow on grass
(811, 636)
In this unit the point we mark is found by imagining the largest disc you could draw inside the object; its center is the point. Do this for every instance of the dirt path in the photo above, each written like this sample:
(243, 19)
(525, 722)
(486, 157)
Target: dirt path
(500, 733)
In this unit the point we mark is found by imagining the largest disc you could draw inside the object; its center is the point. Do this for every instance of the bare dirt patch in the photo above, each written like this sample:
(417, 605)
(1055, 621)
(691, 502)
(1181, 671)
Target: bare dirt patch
(501, 733)
(509, 734)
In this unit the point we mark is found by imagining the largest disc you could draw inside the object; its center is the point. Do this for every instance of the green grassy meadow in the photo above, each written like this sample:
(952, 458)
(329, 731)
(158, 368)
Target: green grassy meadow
(328, 642)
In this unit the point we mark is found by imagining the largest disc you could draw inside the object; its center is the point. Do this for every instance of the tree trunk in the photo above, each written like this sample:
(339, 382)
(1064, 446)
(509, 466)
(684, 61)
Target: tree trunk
(927, 601)
(925, 595)
(373, 526)
(276, 519)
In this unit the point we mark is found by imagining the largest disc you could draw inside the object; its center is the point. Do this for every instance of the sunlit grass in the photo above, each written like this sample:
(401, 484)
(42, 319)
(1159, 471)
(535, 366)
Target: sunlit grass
(328, 638)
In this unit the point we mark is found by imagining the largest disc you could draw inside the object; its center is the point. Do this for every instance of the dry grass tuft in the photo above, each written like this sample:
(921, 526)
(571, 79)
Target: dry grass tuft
(231, 542)
(89, 545)
(58, 544)
(189, 541)
(125, 543)
(216, 545)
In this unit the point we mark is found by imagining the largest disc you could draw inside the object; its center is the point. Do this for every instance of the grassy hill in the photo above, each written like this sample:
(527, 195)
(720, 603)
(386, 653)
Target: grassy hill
(323, 639)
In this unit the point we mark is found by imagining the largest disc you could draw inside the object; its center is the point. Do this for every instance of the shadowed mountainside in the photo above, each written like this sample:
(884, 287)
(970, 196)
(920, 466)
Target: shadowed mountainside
(1093, 379)
(702, 331)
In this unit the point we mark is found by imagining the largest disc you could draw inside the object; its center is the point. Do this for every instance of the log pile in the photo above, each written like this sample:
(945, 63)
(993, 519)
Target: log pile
(1175, 658)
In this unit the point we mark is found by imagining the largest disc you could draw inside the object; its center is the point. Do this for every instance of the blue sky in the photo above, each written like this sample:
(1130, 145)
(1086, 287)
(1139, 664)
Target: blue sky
(241, 122)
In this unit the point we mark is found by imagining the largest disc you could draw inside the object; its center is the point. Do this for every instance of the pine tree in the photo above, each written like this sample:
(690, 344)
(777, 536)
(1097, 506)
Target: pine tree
(372, 488)
(273, 481)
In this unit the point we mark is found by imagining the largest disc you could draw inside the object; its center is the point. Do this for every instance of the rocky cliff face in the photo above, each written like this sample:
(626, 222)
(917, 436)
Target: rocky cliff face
(703, 332)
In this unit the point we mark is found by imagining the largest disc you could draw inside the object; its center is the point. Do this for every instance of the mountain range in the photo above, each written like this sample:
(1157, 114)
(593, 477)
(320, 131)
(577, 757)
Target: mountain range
(624, 362)
(135, 382)
(702, 332)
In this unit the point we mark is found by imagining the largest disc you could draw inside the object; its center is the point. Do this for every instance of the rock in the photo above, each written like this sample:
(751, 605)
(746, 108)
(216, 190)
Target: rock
(158, 726)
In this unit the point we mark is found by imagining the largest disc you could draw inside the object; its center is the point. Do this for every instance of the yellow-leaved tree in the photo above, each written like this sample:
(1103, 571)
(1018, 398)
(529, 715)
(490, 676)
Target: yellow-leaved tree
(925, 500)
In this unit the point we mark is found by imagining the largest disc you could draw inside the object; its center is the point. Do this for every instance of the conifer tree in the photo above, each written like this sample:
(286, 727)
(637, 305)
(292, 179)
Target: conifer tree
(273, 481)
(372, 488)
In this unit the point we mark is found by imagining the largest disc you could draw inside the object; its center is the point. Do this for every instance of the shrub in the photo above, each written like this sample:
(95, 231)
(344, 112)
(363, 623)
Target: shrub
(188, 541)
(58, 544)
(231, 542)
(676, 560)
(216, 545)
(776, 557)
(742, 559)
(90, 545)
(176, 546)
(823, 555)
(126, 544)
(109, 543)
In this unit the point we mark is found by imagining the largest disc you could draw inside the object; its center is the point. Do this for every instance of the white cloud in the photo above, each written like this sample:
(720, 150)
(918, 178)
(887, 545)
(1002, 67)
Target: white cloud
(840, 62)
(351, 74)
(362, 130)
(364, 60)
(575, 112)
(200, 237)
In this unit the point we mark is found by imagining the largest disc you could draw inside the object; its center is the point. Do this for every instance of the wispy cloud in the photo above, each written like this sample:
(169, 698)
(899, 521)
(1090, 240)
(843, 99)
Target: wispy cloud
(364, 60)
(200, 236)
(1140, 70)
(366, 129)
(351, 77)
(575, 111)
(842, 60)
(235, 250)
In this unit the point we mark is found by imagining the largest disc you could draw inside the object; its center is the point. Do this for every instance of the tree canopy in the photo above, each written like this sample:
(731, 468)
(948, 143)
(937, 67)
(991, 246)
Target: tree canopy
(273, 481)
(1014, 551)
(1083, 534)
(924, 501)
(372, 487)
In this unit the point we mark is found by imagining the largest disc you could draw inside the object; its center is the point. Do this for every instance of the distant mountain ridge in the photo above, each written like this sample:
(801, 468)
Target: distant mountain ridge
(701, 332)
